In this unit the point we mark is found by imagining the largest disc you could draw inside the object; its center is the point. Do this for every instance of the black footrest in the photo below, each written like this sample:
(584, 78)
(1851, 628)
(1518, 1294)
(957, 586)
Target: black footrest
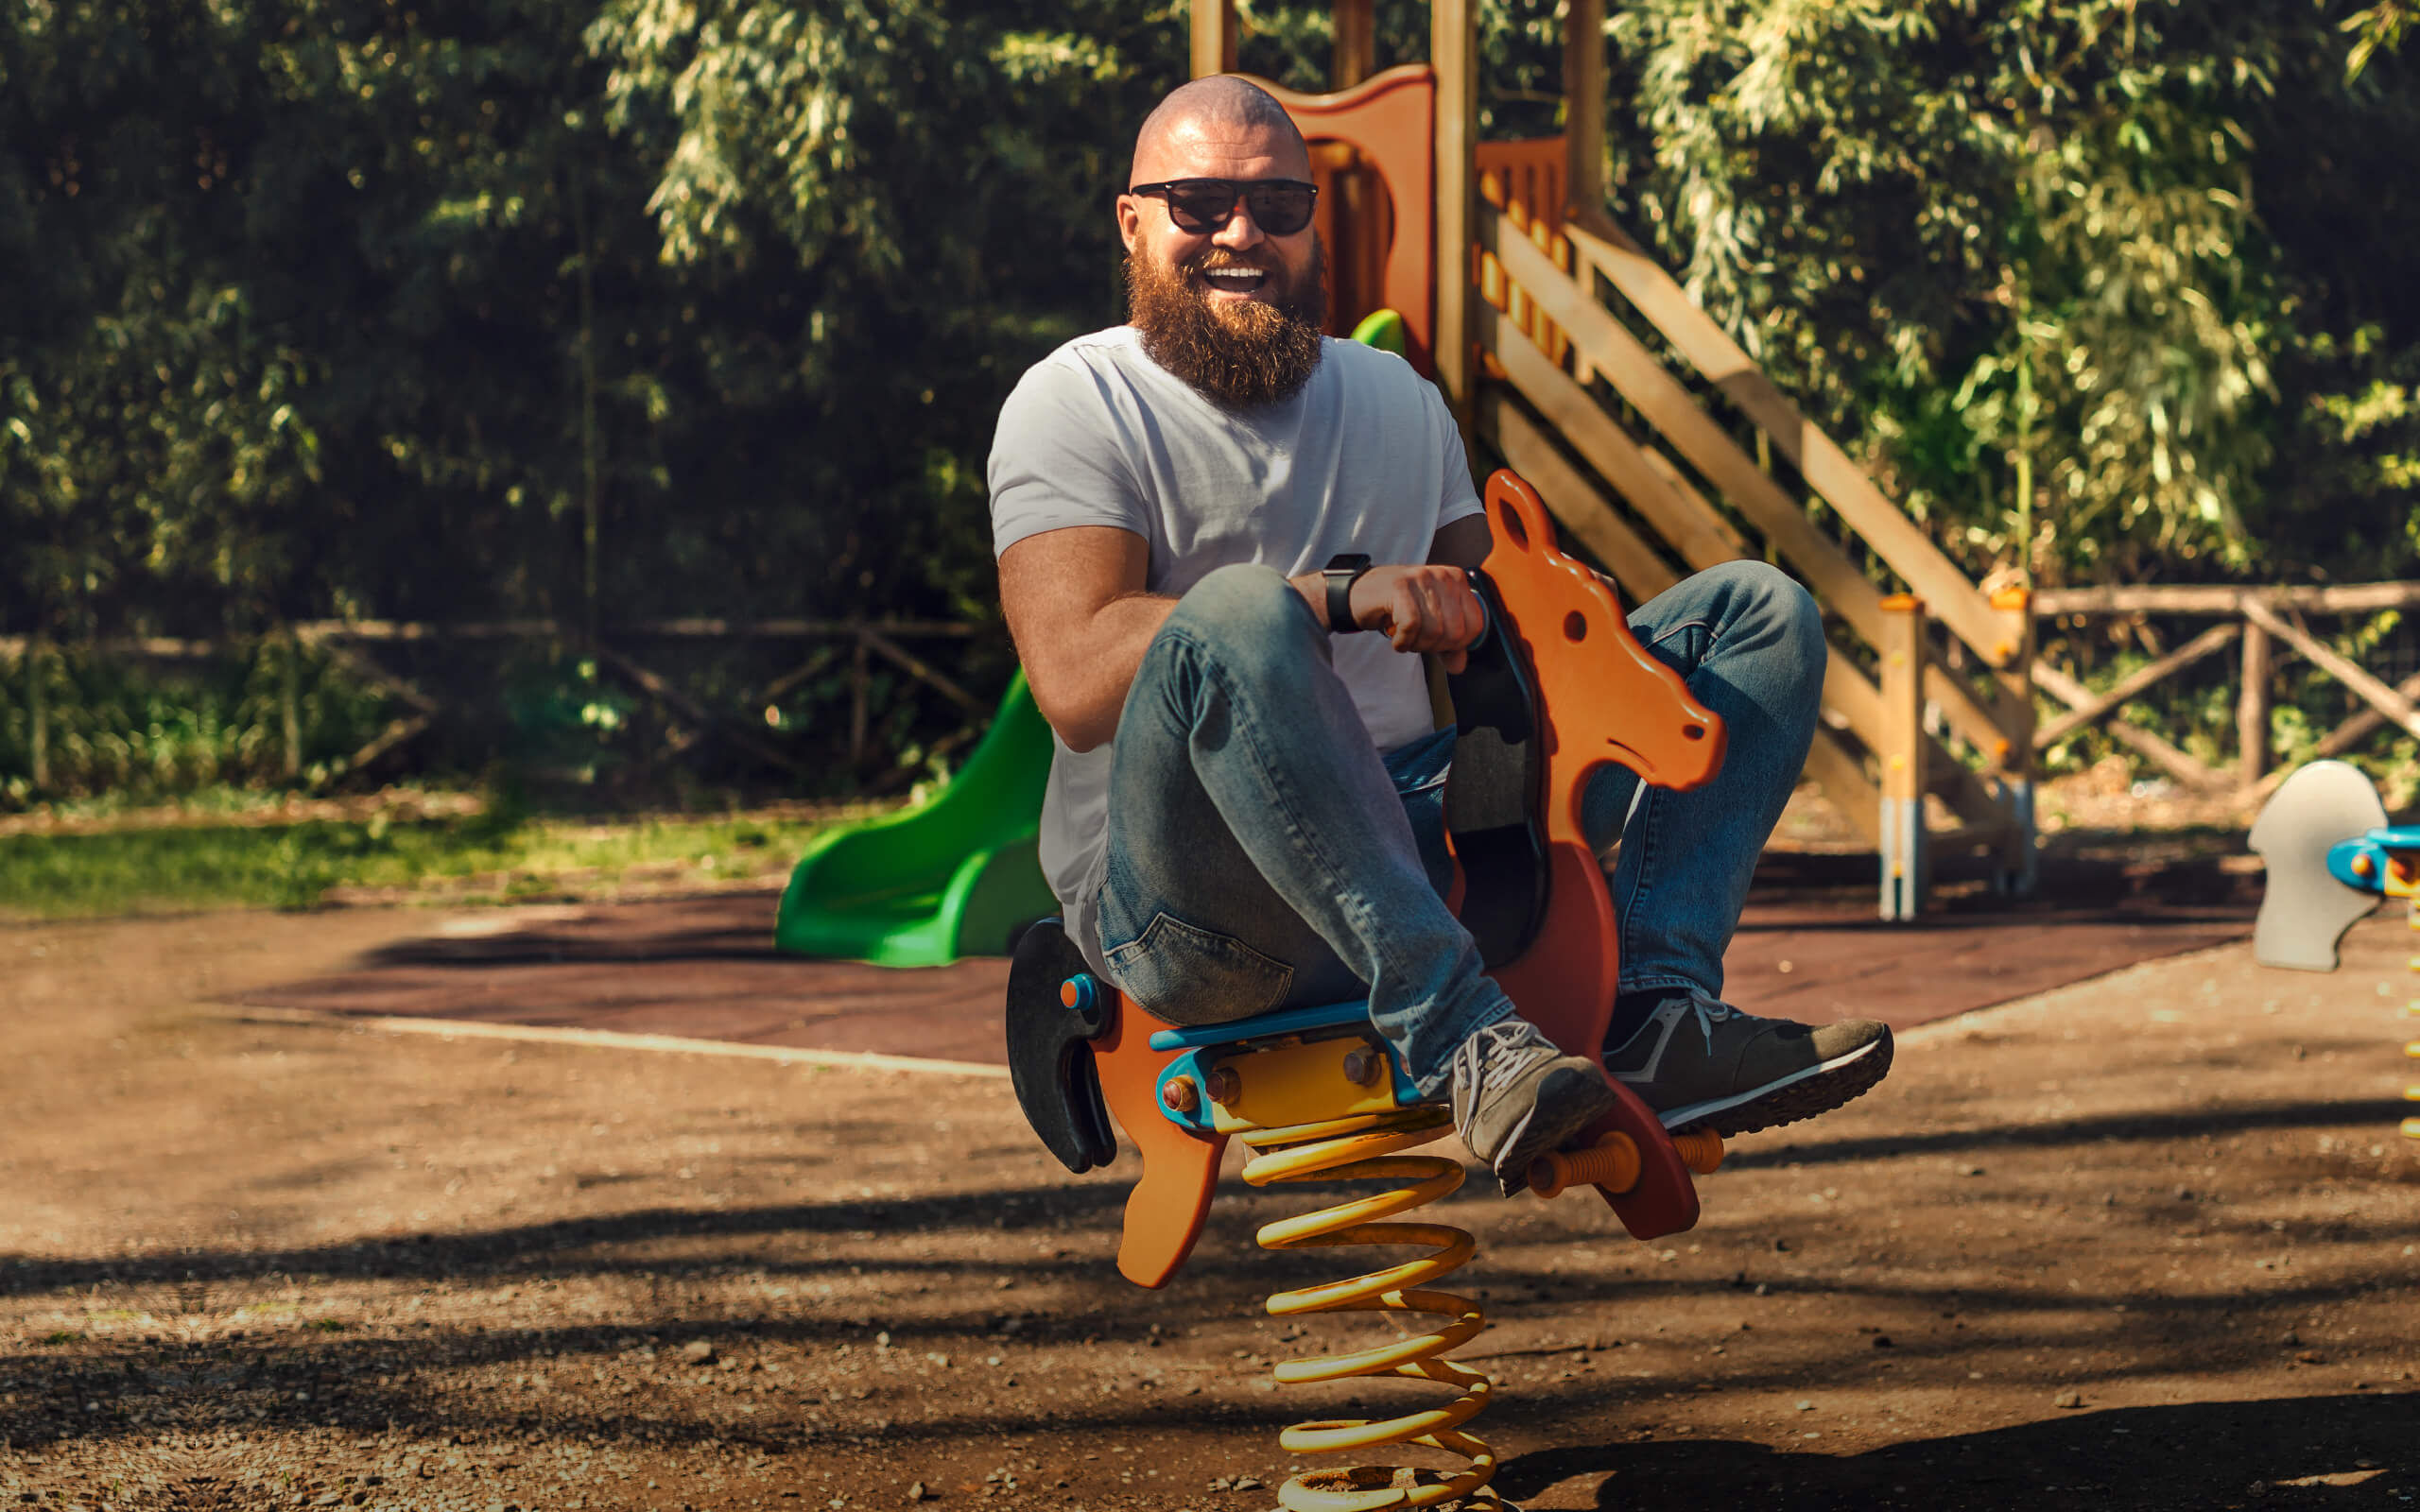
(1050, 1058)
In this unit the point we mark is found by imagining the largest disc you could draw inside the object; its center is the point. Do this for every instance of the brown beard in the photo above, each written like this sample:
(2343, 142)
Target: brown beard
(1239, 357)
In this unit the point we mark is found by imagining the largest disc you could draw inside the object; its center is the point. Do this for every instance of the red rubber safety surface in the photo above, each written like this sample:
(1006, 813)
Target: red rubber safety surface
(705, 967)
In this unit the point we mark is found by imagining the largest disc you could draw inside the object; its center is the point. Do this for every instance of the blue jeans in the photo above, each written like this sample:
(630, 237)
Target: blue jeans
(1263, 855)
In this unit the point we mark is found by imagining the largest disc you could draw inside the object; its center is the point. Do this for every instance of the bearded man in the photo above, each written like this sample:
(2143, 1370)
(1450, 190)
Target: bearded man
(1196, 517)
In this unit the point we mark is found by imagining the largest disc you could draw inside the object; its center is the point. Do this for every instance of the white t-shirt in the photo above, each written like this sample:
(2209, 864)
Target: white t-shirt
(1364, 457)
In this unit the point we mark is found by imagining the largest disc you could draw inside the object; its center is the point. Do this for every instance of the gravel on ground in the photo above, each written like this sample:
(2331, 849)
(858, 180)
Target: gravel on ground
(2148, 1242)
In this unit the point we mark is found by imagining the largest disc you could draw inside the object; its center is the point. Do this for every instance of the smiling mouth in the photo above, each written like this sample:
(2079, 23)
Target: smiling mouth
(1242, 283)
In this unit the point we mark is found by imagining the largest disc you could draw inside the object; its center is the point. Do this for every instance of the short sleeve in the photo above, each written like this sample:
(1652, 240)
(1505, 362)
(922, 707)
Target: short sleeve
(1056, 459)
(1456, 500)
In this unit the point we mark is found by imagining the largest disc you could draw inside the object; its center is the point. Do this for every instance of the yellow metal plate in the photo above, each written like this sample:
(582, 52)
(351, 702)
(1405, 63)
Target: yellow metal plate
(1299, 1083)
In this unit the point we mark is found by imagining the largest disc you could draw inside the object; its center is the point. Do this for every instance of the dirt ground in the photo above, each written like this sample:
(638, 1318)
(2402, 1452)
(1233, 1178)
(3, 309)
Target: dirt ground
(2145, 1242)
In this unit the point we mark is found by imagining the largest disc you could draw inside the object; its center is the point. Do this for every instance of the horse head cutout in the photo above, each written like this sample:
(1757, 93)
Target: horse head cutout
(1599, 698)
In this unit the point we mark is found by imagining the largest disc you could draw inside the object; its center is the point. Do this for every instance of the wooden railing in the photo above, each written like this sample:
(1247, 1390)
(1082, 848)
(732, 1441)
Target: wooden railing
(350, 645)
(1526, 181)
(2263, 624)
(1547, 338)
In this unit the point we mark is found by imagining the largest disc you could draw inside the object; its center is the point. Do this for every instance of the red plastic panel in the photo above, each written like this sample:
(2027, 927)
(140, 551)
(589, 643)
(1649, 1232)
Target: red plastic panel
(1389, 120)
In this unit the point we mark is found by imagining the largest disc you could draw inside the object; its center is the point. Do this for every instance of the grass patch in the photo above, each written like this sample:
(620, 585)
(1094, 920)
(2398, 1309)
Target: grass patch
(489, 857)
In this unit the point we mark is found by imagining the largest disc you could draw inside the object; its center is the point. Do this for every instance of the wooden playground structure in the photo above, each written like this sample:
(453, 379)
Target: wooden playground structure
(1541, 344)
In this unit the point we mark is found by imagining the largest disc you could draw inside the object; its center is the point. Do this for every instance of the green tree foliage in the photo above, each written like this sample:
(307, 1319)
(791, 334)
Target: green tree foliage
(303, 339)
(360, 306)
(401, 307)
(2381, 25)
(147, 437)
(2157, 246)
(2085, 227)
(921, 190)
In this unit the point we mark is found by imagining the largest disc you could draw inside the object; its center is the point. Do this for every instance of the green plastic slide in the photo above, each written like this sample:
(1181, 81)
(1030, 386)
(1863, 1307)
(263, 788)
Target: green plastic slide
(1384, 330)
(956, 876)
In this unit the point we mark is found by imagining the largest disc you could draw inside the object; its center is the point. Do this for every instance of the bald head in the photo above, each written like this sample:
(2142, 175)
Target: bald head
(1219, 116)
(1219, 279)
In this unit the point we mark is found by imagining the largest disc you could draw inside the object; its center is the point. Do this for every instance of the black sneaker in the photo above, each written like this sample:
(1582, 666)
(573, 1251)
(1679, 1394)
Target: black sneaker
(1516, 1095)
(1700, 1063)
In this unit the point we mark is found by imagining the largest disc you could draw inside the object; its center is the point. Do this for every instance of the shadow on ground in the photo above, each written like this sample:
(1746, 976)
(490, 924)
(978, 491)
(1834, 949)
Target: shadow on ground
(2343, 1452)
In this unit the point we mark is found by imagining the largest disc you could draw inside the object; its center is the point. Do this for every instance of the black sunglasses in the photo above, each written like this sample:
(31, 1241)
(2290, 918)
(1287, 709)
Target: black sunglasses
(1281, 207)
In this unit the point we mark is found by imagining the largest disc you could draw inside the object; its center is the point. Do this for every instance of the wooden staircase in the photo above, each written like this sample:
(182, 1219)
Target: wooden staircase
(1927, 690)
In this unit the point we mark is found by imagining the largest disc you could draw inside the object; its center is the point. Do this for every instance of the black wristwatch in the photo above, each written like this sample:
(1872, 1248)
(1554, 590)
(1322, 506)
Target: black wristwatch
(1341, 572)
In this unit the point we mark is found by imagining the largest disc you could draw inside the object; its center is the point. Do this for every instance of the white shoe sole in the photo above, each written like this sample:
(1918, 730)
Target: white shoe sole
(1789, 1110)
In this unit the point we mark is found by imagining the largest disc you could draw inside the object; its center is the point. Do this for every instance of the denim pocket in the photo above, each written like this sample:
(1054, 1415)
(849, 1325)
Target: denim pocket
(1189, 976)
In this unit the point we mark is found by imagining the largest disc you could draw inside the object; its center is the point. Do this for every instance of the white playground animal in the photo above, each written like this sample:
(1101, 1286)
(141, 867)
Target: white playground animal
(2304, 910)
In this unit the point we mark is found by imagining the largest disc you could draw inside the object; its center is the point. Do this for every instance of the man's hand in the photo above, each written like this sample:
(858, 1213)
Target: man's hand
(1427, 608)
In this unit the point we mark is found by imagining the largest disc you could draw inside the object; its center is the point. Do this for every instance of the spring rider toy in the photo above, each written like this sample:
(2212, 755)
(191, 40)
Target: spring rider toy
(2331, 858)
(1556, 688)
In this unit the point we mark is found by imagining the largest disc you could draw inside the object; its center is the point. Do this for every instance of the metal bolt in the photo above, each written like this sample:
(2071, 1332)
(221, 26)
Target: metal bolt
(1362, 1065)
(1181, 1095)
(1224, 1085)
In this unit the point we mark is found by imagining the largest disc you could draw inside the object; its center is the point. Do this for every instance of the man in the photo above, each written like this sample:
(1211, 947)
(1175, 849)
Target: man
(1245, 808)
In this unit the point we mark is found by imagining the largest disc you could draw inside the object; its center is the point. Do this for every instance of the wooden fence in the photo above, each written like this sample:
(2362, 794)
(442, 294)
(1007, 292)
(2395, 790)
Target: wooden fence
(353, 644)
(2263, 624)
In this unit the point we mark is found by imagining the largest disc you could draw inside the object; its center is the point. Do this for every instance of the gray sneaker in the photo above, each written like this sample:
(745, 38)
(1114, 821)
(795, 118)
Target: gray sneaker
(1516, 1095)
(1701, 1063)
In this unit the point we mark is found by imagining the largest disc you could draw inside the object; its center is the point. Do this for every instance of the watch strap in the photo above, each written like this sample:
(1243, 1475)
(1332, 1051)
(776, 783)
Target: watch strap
(1341, 572)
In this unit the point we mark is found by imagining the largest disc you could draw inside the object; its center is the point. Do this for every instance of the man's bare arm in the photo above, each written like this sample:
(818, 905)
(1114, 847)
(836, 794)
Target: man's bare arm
(1076, 606)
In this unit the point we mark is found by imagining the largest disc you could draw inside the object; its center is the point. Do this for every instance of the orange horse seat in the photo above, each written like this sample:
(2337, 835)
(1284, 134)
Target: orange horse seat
(1560, 687)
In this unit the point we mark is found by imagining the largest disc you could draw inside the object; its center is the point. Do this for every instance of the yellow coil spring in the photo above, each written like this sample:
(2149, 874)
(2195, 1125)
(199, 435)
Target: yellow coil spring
(1363, 1147)
(2411, 1125)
